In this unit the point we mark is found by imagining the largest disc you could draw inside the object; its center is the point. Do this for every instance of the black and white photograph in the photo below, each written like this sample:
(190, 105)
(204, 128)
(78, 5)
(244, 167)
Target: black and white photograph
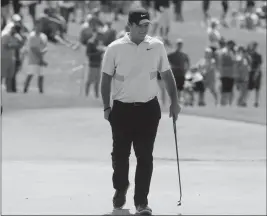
(151, 107)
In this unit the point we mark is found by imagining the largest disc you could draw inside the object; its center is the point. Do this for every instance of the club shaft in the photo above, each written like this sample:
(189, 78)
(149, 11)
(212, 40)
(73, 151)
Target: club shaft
(177, 157)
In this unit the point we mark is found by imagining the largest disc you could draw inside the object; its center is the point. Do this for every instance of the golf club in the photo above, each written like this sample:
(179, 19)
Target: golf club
(177, 157)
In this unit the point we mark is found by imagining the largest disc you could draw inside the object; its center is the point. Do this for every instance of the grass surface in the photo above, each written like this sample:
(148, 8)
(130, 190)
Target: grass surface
(62, 83)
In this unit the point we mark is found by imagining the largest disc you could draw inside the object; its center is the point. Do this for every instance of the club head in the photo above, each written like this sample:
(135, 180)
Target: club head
(179, 203)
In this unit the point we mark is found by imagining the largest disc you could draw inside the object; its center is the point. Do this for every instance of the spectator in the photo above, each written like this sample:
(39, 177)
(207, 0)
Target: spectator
(214, 36)
(86, 30)
(31, 4)
(84, 7)
(54, 27)
(208, 69)
(180, 63)
(255, 74)
(162, 20)
(11, 41)
(66, 7)
(224, 13)
(227, 73)
(36, 47)
(95, 19)
(205, 8)
(178, 10)
(242, 75)
(95, 50)
(250, 5)
(194, 83)
(23, 32)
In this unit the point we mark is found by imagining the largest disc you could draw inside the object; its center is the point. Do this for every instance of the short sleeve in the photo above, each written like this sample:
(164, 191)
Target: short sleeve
(164, 64)
(108, 62)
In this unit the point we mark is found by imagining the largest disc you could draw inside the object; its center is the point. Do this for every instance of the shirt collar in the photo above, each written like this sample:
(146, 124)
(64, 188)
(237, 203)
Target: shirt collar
(127, 39)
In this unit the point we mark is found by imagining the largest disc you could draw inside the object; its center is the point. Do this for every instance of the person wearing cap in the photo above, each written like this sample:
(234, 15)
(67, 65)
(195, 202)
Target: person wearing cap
(180, 63)
(255, 75)
(36, 49)
(131, 64)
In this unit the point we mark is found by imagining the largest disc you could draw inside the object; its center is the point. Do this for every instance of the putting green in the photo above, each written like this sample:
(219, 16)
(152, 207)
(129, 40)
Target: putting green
(57, 161)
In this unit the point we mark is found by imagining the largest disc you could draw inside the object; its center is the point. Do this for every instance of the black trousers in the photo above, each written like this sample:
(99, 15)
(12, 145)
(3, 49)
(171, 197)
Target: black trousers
(16, 6)
(178, 6)
(137, 124)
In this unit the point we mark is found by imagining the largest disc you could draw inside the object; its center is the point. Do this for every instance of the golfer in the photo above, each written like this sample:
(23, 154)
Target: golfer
(131, 64)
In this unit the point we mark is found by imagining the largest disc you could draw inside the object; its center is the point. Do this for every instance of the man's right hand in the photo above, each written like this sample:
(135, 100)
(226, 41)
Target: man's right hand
(107, 113)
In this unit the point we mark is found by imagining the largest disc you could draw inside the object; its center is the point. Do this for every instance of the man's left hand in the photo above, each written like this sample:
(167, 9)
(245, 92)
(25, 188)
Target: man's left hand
(175, 109)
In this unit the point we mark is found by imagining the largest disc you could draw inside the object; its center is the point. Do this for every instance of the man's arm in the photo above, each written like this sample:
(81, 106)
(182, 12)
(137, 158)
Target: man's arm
(108, 69)
(168, 78)
(106, 89)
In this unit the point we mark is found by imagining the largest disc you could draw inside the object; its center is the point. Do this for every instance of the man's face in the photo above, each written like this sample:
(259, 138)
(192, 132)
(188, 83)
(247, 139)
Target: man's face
(140, 31)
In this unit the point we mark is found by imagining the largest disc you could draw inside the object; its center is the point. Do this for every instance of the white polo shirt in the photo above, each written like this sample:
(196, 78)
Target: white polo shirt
(134, 68)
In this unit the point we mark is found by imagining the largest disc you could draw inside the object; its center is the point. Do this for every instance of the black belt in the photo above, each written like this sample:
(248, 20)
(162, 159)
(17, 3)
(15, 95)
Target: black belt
(135, 103)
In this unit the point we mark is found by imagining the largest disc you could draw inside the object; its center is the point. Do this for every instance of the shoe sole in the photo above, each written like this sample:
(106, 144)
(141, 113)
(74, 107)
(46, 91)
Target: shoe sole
(144, 213)
(119, 208)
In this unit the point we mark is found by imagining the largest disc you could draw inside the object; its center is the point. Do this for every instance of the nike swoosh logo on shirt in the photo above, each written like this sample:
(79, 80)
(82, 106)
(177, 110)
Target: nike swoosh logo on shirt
(148, 48)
